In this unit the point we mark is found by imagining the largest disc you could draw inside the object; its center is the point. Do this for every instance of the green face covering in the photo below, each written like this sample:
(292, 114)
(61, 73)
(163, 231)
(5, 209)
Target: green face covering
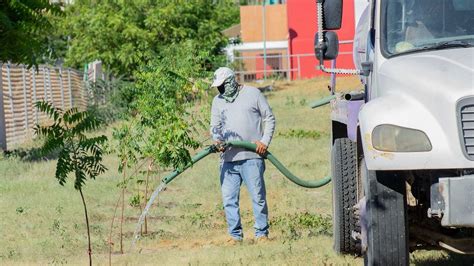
(231, 89)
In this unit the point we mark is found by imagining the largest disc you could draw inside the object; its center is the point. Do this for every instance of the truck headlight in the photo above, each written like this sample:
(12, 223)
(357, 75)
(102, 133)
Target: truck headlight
(399, 139)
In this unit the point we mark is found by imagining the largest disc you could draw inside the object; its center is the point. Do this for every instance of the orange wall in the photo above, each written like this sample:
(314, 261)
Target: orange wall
(275, 19)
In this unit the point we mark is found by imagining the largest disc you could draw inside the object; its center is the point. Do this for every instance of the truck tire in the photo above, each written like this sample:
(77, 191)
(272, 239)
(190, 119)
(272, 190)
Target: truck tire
(387, 232)
(344, 184)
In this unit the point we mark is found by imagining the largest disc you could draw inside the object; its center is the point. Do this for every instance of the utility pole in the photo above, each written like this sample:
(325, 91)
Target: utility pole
(264, 44)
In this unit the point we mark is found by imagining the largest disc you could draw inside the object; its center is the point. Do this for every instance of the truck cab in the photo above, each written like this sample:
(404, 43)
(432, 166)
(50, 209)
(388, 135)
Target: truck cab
(403, 148)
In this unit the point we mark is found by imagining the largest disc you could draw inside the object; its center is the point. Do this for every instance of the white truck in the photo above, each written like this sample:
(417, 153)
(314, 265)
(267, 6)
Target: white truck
(403, 148)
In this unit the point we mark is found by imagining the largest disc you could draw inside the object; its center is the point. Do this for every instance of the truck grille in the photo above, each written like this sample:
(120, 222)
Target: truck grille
(467, 128)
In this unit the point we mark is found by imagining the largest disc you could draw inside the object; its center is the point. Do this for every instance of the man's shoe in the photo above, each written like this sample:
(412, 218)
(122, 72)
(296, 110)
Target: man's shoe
(262, 239)
(233, 241)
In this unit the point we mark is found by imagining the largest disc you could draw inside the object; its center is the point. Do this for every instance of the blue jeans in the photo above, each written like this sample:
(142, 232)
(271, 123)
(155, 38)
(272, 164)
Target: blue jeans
(251, 173)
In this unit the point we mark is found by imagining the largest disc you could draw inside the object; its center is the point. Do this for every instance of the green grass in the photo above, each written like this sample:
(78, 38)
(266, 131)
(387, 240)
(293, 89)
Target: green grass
(42, 222)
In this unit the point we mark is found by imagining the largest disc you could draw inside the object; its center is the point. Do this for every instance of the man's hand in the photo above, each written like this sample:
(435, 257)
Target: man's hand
(220, 146)
(261, 148)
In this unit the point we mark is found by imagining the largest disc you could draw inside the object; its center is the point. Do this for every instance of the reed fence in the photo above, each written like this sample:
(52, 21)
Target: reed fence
(21, 87)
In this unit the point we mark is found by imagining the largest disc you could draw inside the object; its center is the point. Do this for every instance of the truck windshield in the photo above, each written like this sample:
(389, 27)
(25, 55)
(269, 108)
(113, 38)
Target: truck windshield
(420, 25)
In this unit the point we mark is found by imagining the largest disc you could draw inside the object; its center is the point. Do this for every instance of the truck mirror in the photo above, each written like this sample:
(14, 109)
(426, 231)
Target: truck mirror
(329, 50)
(332, 14)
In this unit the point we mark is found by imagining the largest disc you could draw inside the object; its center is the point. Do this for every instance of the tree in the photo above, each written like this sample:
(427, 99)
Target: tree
(127, 35)
(78, 154)
(128, 148)
(169, 107)
(24, 29)
(170, 88)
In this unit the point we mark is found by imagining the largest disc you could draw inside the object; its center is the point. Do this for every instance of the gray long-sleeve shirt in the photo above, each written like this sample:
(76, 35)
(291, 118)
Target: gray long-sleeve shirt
(242, 120)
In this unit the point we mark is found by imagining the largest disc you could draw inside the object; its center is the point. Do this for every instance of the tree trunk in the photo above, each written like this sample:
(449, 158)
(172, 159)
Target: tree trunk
(123, 204)
(137, 184)
(89, 250)
(146, 192)
(111, 228)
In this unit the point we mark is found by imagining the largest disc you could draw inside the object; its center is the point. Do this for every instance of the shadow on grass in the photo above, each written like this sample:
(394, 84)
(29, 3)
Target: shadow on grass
(30, 154)
(450, 259)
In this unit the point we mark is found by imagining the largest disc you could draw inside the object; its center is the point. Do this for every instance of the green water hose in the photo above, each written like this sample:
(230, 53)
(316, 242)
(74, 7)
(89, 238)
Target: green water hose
(251, 147)
(212, 149)
(323, 101)
(196, 158)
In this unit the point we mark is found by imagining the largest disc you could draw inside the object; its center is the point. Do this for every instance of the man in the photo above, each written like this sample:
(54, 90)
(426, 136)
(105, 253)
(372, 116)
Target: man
(241, 112)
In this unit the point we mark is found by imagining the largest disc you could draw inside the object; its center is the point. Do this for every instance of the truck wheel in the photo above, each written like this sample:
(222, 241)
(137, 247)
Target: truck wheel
(387, 234)
(344, 184)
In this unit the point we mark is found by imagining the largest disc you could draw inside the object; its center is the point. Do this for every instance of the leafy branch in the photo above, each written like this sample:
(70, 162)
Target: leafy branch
(79, 154)
(24, 29)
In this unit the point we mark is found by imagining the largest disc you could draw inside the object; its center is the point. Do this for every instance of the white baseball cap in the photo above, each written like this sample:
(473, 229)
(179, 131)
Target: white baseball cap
(220, 75)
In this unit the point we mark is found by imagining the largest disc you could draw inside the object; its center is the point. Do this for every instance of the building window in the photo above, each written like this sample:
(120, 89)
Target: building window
(274, 61)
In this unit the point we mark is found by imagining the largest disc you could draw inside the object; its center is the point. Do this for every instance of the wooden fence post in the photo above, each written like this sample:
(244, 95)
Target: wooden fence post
(3, 130)
(50, 87)
(35, 99)
(24, 98)
(10, 95)
(61, 87)
(71, 100)
(45, 92)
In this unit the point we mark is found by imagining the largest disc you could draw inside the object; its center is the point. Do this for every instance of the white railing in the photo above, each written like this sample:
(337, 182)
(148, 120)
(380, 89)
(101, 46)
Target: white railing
(278, 66)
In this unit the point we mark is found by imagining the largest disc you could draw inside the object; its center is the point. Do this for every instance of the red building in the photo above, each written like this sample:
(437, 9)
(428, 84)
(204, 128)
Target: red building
(288, 39)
